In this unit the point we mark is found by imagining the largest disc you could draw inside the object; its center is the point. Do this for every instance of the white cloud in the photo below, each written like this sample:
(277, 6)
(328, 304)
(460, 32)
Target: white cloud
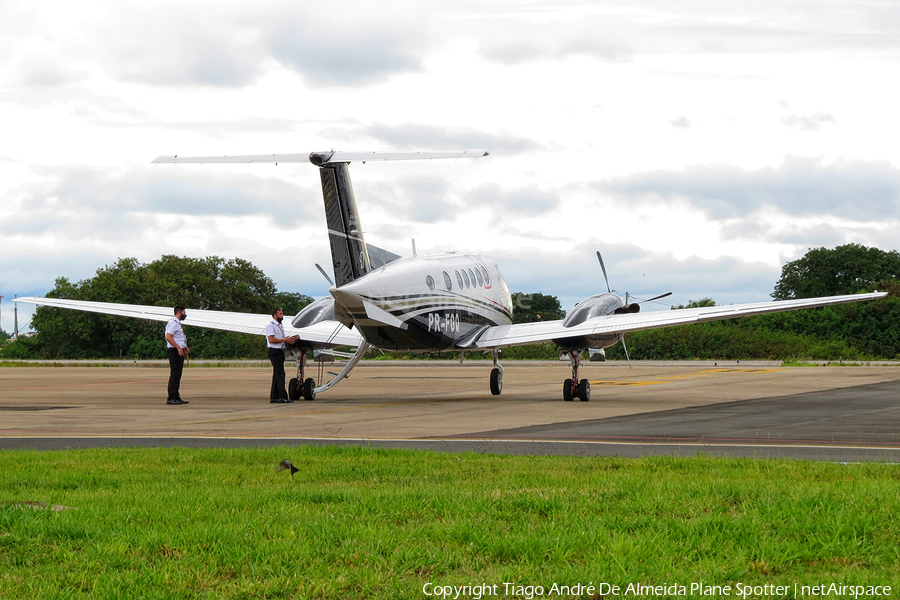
(852, 189)
(655, 132)
(812, 122)
(348, 44)
(419, 136)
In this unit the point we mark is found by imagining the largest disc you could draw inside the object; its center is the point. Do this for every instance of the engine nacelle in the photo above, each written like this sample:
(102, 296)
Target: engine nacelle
(631, 308)
(320, 310)
(598, 305)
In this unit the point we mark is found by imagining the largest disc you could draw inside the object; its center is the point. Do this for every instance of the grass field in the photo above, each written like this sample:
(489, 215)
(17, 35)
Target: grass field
(363, 523)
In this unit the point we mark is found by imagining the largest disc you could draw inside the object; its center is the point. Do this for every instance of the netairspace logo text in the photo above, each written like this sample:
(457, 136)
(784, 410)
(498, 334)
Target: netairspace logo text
(666, 590)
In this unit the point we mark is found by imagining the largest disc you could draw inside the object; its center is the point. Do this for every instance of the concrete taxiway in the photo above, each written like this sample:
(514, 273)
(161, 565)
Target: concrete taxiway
(754, 409)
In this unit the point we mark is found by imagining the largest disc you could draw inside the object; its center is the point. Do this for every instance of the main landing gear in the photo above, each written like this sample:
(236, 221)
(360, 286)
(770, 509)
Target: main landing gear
(300, 386)
(573, 388)
(496, 374)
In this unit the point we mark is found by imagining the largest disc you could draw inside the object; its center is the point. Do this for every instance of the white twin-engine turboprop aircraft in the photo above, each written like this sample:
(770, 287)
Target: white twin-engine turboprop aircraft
(438, 302)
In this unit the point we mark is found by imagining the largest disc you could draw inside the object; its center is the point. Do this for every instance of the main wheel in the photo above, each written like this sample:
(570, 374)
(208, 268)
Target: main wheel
(568, 396)
(309, 389)
(496, 381)
(584, 390)
(294, 389)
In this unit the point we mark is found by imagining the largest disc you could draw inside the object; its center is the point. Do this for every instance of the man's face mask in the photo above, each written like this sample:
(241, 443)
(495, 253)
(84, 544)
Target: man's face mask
(183, 316)
(279, 319)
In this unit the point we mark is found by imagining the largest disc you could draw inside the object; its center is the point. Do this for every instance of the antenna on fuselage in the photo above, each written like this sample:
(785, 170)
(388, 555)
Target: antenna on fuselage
(414, 247)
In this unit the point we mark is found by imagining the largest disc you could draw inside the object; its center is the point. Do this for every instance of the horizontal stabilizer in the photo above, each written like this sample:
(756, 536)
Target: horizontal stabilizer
(255, 158)
(320, 158)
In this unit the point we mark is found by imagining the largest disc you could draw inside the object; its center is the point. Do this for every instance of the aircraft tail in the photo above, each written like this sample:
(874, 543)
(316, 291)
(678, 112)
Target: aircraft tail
(349, 253)
(351, 256)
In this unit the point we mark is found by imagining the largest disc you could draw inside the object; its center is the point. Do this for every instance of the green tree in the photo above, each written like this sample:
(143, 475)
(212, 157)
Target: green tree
(702, 302)
(847, 269)
(210, 283)
(23, 348)
(291, 302)
(528, 308)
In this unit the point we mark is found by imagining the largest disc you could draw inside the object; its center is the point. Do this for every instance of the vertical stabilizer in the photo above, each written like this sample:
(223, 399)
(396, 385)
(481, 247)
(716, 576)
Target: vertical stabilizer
(349, 253)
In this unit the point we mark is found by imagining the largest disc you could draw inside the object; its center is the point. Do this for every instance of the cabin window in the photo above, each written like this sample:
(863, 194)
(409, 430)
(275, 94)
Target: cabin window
(466, 277)
(459, 279)
(472, 277)
(487, 278)
(429, 281)
(478, 274)
(447, 281)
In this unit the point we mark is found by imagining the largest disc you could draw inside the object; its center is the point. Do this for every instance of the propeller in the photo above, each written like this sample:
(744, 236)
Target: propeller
(324, 274)
(628, 307)
(603, 268)
(657, 297)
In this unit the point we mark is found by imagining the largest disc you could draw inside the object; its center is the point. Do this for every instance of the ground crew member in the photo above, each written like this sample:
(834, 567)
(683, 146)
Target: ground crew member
(275, 341)
(176, 351)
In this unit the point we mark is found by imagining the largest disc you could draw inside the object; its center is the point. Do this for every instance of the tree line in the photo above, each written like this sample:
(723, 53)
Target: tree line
(856, 331)
(210, 283)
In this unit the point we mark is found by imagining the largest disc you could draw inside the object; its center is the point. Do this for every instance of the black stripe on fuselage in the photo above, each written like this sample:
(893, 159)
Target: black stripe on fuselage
(438, 301)
(433, 322)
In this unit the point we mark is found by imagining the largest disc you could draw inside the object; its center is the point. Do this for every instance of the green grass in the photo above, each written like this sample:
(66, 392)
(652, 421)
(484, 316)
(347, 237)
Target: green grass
(362, 523)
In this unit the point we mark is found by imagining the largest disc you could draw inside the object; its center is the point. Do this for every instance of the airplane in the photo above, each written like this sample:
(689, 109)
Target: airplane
(449, 301)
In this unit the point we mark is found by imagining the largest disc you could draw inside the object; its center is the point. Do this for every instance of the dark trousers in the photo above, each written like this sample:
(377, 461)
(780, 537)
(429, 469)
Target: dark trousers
(176, 366)
(276, 356)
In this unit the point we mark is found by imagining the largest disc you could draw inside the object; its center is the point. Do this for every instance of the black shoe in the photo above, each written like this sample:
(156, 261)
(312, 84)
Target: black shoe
(177, 401)
(280, 401)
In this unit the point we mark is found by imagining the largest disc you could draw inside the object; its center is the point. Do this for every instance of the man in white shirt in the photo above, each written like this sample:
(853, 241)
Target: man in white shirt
(275, 341)
(176, 351)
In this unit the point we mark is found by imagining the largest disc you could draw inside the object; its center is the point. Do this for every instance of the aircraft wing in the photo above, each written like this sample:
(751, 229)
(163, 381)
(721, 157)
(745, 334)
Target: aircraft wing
(331, 333)
(532, 333)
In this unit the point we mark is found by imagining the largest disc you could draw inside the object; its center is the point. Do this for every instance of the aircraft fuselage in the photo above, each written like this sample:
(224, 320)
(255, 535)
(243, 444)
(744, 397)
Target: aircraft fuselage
(425, 303)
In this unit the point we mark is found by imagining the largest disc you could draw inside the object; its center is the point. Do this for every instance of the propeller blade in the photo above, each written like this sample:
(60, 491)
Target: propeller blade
(325, 275)
(603, 267)
(658, 297)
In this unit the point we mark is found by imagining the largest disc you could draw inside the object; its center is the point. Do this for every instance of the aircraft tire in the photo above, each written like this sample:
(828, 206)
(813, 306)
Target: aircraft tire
(568, 396)
(584, 390)
(309, 389)
(496, 381)
(293, 389)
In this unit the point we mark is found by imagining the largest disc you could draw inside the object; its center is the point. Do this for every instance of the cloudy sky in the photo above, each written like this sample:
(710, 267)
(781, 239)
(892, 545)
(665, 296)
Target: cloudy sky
(697, 145)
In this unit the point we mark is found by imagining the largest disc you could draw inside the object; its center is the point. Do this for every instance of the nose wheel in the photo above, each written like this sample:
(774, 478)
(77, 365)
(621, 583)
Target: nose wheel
(573, 388)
